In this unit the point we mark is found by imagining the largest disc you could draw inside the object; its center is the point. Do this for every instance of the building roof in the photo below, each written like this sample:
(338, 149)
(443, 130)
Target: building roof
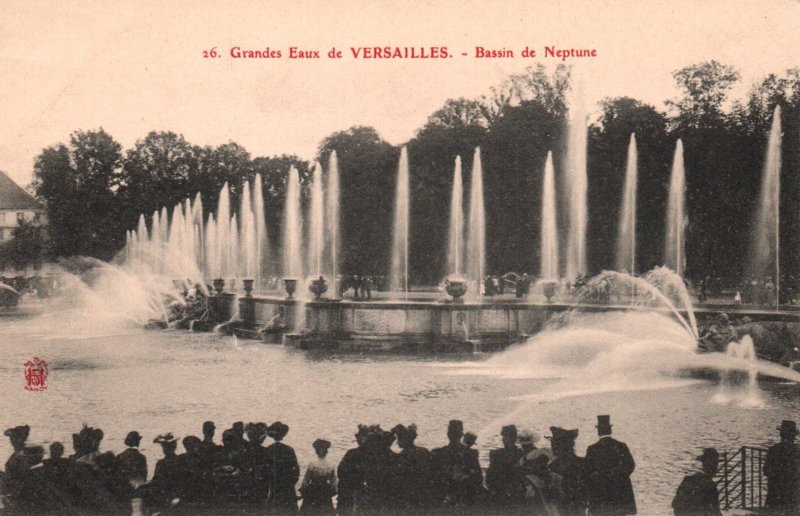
(14, 197)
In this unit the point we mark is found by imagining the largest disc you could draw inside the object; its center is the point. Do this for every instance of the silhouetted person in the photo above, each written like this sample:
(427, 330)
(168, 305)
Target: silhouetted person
(190, 473)
(131, 464)
(238, 432)
(455, 470)
(284, 471)
(256, 466)
(568, 473)
(351, 475)
(228, 478)
(56, 472)
(504, 478)
(698, 495)
(609, 465)
(538, 485)
(162, 490)
(18, 464)
(319, 482)
(473, 482)
(376, 467)
(781, 469)
(411, 473)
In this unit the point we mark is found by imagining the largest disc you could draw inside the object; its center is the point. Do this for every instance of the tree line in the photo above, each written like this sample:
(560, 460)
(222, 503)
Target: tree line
(95, 191)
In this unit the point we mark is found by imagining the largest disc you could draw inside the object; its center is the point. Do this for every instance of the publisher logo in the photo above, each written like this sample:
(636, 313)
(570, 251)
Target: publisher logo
(36, 374)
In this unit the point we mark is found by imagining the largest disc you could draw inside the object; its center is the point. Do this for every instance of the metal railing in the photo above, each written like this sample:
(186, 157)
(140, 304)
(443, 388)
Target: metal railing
(740, 479)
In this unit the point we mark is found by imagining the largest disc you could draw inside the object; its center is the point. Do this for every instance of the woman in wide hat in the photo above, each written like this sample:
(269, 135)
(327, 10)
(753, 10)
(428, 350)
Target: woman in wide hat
(284, 471)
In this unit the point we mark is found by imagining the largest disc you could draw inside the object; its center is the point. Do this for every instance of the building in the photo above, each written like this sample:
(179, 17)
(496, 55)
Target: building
(16, 205)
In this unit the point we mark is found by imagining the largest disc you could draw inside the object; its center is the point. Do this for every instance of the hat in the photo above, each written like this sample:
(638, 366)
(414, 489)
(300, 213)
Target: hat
(321, 443)
(708, 453)
(277, 430)
(18, 433)
(788, 426)
(256, 430)
(528, 437)
(604, 422)
(133, 438)
(209, 425)
(510, 430)
(191, 442)
(470, 437)
(167, 438)
(455, 425)
(409, 431)
(559, 434)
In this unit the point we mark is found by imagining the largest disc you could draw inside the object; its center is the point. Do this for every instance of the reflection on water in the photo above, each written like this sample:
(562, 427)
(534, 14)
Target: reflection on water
(173, 381)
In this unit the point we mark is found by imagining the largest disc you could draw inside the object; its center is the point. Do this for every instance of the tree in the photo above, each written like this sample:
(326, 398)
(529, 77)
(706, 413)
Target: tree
(26, 246)
(608, 149)
(80, 183)
(156, 173)
(704, 88)
(368, 176)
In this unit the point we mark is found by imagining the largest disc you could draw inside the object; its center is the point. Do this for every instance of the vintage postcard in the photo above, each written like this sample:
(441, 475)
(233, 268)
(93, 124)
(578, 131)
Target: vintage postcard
(412, 257)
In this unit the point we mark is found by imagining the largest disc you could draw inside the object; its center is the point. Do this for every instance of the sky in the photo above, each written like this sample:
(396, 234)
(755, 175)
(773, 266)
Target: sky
(134, 67)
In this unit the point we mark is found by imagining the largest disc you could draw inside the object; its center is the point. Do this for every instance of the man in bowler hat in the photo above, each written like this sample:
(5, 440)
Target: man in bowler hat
(781, 469)
(698, 494)
(609, 465)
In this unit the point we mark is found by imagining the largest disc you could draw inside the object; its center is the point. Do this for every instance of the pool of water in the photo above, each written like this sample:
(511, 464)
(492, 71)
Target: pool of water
(121, 378)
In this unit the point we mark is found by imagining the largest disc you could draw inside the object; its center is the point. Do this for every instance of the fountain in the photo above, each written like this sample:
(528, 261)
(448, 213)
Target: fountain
(332, 221)
(292, 230)
(674, 243)
(765, 239)
(549, 232)
(316, 234)
(739, 378)
(476, 231)
(398, 278)
(626, 238)
(576, 187)
(262, 238)
(455, 254)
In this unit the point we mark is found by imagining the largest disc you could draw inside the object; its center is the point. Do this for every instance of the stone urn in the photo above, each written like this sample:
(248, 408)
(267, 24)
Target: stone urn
(549, 289)
(219, 285)
(290, 285)
(318, 287)
(248, 287)
(456, 287)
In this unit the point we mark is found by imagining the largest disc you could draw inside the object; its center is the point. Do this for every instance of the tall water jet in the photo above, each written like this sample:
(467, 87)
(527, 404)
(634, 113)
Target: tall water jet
(233, 250)
(292, 229)
(247, 244)
(674, 244)
(262, 239)
(332, 220)
(476, 239)
(549, 231)
(399, 273)
(455, 255)
(626, 238)
(577, 142)
(221, 250)
(316, 234)
(765, 239)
